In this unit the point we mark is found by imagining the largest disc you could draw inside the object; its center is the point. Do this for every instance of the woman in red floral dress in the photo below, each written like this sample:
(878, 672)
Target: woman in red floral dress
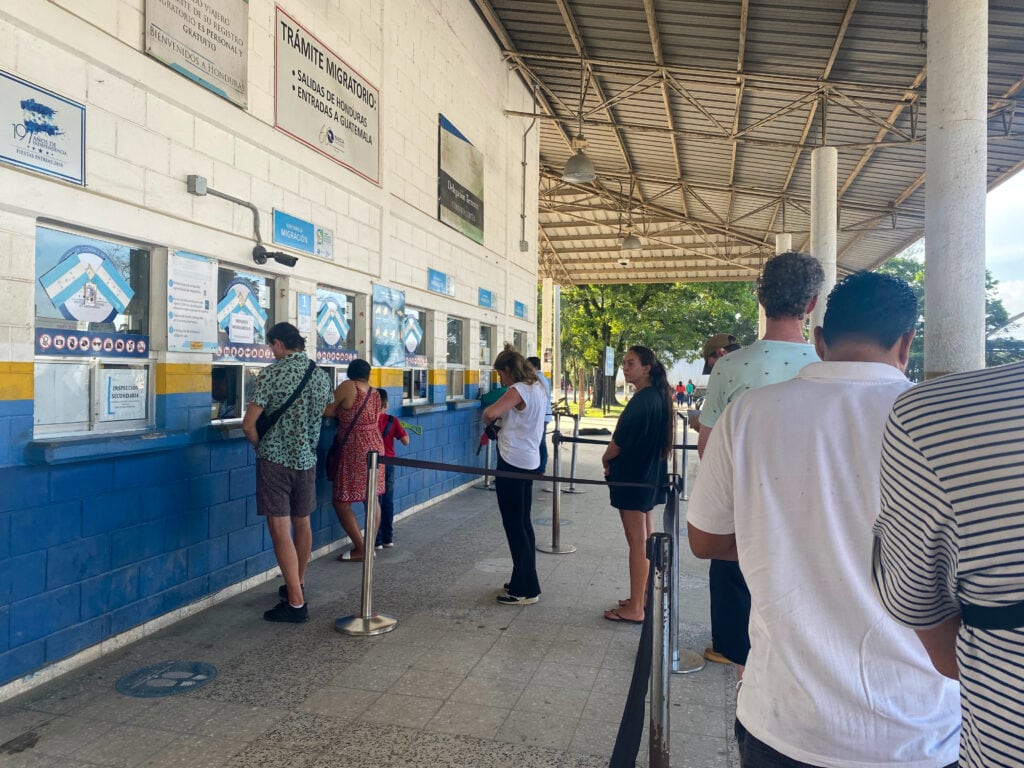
(356, 406)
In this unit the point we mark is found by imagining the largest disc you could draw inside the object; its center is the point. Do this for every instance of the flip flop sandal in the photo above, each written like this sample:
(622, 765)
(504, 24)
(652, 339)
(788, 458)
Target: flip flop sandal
(346, 557)
(614, 615)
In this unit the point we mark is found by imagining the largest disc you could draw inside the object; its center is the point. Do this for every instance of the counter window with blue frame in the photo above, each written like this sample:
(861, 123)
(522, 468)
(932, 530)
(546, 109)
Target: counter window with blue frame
(245, 311)
(414, 376)
(455, 359)
(93, 371)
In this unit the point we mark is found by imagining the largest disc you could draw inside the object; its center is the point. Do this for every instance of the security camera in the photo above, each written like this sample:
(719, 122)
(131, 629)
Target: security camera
(623, 261)
(261, 254)
(284, 258)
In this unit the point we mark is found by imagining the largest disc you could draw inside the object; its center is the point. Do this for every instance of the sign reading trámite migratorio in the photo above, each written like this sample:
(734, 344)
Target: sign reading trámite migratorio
(460, 182)
(324, 103)
(204, 40)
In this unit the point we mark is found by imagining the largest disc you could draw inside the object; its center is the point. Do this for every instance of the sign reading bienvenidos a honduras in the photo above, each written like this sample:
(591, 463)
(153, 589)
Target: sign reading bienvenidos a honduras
(324, 103)
(204, 40)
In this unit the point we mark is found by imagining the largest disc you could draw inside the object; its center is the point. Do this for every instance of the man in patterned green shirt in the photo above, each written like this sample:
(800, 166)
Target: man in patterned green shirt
(286, 461)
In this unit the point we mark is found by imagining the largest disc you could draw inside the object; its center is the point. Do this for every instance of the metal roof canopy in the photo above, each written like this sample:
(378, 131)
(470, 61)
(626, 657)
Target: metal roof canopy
(701, 117)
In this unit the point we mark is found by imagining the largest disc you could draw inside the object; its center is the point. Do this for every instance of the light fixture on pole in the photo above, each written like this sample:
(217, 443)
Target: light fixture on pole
(580, 168)
(631, 242)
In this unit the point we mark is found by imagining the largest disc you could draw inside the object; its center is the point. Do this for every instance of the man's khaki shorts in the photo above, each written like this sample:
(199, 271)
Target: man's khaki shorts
(284, 492)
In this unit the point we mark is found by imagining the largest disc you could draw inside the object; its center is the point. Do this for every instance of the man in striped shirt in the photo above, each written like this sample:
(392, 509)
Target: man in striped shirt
(949, 548)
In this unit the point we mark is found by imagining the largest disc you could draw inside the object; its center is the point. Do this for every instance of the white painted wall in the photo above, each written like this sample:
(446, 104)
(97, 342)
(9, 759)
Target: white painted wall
(148, 128)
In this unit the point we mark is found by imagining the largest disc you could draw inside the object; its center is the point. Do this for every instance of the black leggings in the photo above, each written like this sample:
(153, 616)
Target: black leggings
(515, 497)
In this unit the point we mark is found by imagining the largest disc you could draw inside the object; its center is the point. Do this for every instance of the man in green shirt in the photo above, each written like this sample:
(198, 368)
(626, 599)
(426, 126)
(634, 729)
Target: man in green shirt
(286, 460)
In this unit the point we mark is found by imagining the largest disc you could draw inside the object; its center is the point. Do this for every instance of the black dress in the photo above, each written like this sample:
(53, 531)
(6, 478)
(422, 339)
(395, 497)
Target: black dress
(640, 434)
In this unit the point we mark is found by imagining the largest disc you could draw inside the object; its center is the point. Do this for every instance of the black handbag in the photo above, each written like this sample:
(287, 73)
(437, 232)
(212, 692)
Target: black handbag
(266, 421)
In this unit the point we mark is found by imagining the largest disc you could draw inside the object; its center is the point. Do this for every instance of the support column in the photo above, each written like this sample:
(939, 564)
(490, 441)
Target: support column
(783, 243)
(556, 356)
(955, 187)
(824, 220)
(546, 312)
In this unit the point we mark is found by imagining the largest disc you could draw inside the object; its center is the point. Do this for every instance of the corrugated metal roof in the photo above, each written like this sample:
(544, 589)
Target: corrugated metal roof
(701, 117)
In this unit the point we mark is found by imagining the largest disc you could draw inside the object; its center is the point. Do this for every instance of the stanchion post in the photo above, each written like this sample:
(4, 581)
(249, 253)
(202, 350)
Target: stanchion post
(486, 485)
(660, 551)
(366, 622)
(683, 661)
(556, 548)
(572, 464)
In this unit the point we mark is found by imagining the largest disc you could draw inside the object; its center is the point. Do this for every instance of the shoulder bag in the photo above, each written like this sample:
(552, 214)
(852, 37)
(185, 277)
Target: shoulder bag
(266, 421)
(334, 453)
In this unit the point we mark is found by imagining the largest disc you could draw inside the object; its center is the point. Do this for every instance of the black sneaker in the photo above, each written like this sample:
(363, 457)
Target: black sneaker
(282, 591)
(506, 585)
(284, 612)
(513, 600)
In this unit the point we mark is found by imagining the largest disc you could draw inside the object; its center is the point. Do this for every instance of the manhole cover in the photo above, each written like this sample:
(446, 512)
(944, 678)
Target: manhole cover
(167, 678)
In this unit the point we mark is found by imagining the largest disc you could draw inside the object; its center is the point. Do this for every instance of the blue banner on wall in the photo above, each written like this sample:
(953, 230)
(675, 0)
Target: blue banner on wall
(486, 299)
(520, 309)
(439, 282)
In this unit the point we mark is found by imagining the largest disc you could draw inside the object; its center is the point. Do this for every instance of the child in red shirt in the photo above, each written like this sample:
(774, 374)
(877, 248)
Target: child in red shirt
(390, 429)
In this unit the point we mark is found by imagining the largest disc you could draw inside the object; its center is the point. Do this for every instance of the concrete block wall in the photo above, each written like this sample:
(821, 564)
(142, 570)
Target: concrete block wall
(99, 535)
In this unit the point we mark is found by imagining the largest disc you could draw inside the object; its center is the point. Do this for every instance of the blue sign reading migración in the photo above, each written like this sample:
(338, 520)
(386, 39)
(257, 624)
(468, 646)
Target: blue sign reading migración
(293, 232)
(520, 309)
(486, 299)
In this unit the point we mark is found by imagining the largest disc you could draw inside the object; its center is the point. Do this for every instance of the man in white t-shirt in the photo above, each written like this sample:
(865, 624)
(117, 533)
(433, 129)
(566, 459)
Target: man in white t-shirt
(789, 485)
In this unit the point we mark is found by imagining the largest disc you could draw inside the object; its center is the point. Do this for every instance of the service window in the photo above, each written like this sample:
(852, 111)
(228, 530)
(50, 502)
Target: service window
(245, 311)
(414, 377)
(455, 358)
(487, 355)
(93, 371)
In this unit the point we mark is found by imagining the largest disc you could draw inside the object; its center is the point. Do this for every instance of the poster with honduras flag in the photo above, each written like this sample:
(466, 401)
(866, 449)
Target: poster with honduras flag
(333, 327)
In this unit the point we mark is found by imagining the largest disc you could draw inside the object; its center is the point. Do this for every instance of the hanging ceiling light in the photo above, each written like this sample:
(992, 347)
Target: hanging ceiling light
(631, 242)
(580, 168)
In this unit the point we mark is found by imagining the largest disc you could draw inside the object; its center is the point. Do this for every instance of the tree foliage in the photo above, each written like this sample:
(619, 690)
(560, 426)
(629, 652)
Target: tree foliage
(671, 319)
(910, 267)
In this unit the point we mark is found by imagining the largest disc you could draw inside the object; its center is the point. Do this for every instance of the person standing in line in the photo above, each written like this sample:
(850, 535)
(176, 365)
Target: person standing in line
(637, 453)
(391, 429)
(680, 394)
(788, 290)
(521, 411)
(689, 390)
(286, 460)
(948, 560)
(830, 681)
(357, 407)
(534, 363)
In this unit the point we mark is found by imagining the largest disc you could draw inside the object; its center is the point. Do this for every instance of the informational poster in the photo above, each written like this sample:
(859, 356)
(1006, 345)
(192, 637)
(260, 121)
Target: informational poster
(304, 307)
(460, 182)
(241, 329)
(191, 302)
(42, 131)
(333, 327)
(609, 361)
(204, 40)
(485, 298)
(243, 312)
(388, 313)
(123, 394)
(323, 102)
(519, 309)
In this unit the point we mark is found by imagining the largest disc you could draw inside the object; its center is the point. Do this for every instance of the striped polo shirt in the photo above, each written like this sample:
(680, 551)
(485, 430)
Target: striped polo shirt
(951, 532)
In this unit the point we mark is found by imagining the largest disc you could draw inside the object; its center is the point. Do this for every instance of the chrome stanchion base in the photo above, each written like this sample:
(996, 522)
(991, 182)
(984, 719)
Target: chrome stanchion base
(561, 549)
(377, 624)
(573, 490)
(687, 662)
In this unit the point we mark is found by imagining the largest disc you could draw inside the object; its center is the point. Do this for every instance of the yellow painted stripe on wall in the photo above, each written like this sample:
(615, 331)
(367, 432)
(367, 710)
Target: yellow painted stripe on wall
(182, 378)
(17, 381)
(437, 376)
(386, 377)
(472, 376)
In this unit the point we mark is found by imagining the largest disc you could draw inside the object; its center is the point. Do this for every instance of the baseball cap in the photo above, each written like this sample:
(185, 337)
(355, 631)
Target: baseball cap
(724, 341)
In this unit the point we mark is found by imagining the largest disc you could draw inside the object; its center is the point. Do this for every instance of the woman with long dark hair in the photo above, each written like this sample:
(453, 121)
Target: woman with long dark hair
(356, 406)
(521, 410)
(636, 454)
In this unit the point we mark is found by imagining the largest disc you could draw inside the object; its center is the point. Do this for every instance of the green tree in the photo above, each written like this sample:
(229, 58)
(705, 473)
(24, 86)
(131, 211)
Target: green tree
(671, 319)
(910, 266)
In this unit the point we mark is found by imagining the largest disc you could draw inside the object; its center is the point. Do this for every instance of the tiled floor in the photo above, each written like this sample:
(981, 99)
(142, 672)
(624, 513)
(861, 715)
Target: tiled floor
(462, 681)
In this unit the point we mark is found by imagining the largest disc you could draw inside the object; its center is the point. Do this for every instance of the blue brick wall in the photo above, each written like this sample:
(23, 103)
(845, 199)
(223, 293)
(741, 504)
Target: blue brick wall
(91, 548)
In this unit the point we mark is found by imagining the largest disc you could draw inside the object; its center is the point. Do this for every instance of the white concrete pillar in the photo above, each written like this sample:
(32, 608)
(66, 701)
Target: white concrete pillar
(783, 243)
(556, 357)
(824, 220)
(955, 187)
(546, 312)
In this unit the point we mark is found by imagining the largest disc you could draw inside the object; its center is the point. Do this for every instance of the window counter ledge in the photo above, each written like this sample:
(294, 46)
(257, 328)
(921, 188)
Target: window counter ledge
(65, 450)
(419, 410)
(458, 405)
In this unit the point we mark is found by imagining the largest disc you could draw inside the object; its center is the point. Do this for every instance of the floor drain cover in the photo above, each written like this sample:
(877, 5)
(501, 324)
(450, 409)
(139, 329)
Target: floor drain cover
(167, 678)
